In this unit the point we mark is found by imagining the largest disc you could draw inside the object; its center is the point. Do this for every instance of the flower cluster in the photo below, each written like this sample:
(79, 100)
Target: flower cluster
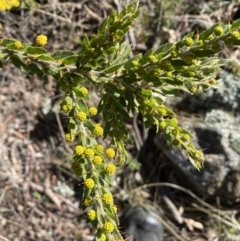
(91, 160)
(107, 198)
(8, 4)
(110, 152)
(89, 183)
(92, 215)
(41, 40)
(108, 227)
(18, 44)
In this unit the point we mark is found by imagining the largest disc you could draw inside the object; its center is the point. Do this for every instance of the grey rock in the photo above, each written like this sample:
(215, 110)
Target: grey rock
(140, 224)
(217, 132)
(226, 96)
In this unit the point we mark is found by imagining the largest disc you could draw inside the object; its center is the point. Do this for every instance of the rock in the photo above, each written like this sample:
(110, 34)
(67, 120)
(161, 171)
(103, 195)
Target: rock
(217, 132)
(140, 224)
(225, 97)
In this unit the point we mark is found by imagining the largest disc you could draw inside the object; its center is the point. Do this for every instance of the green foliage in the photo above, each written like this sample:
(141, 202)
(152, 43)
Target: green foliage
(137, 84)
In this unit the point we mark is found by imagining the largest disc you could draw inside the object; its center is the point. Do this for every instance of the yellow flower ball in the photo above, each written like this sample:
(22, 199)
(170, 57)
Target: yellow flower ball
(162, 125)
(89, 183)
(69, 137)
(92, 215)
(185, 137)
(79, 150)
(152, 59)
(98, 130)
(162, 111)
(212, 81)
(41, 40)
(110, 153)
(175, 132)
(84, 90)
(99, 148)
(65, 109)
(97, 160)
(88, 202)
(188, 41)
(7, 5)
(107, 198)
(176, 142)
(89, 153)
(175, 121)
(60, 61)
(108, 227)
(169, 74)
(103, 237)
(92, 111)
(235, 35)
(110, 169)
(18, 44)
(81, 116)
(193, 89)
(218, 31)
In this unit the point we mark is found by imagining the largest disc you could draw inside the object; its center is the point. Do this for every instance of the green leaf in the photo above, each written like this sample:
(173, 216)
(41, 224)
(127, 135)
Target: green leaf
(152, 79)
(77, 78)
(99, 235)
(68, 100)
(78, 92)
(107, 128)
(195, 163)
(184, 131)
(12, 46)
(114, 68)
(120, 109)
(72, 126)
(205, 34)
(86, 43)
(156, 123)
(169, 112)
(128, 65)
(89, 125)
(171, 81)
(35, 50)
(144, 58)
(235, 24)
(164, 48)
(168, 137)
(100, 105)
(87, 192)
(45, 57)
(3, 55)
(170, 90)
(61, 54)
(121, 54)
(102, 27)
(82, 106)
(19, 64)
(5, 42)
(106, 178)
(70, 60)
(236, 42)
(170, 123)
(146, 92)
(54, 71)
(35, 70)
(203, 53)
(178, 63)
